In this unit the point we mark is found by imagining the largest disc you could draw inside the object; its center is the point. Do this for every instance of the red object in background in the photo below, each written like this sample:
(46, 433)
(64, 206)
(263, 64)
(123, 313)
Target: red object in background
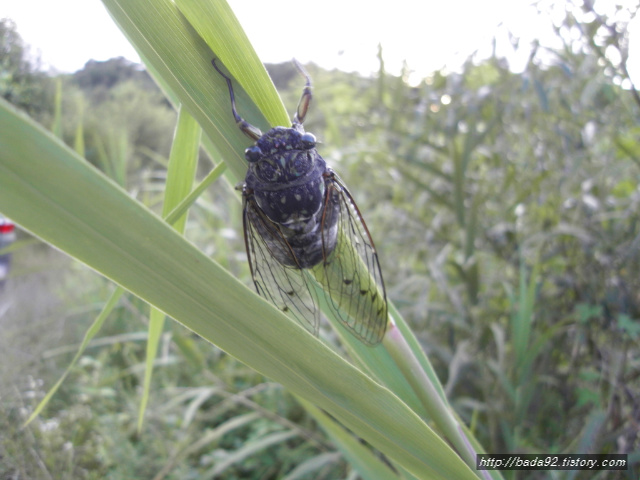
(7, 227)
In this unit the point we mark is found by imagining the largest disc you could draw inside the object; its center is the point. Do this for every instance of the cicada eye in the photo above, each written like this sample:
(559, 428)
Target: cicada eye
(308, 140)
(253, 154)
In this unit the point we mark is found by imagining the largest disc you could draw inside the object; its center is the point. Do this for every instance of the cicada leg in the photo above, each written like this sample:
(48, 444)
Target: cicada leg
(249, 130)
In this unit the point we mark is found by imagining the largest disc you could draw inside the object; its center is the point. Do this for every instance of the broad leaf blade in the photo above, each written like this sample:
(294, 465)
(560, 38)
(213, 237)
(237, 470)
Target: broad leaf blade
(50, 191)
(183, 161)
(175, 52)
(216, 23)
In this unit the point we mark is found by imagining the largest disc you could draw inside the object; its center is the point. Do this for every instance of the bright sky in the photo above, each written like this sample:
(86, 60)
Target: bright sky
(342, 34)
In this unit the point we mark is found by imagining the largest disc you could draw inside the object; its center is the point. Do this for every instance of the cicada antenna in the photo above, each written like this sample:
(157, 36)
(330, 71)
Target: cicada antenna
(305, 99)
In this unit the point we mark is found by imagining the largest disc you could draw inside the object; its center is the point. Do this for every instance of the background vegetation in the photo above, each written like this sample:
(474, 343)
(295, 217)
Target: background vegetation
(505, 207)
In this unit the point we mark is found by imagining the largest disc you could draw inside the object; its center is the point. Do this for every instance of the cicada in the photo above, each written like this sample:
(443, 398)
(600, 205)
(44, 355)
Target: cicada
(301, 225)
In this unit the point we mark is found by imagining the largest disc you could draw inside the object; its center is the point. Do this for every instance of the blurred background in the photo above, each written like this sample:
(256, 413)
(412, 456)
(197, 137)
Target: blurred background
(494, 151)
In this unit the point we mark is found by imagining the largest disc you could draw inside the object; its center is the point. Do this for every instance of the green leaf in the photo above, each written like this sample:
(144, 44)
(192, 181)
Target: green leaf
(247, 450)
(209, 437)
(369, 466)
(629, 325)
(175, 52)
(47, 189)
(183, 161)
(216, 23)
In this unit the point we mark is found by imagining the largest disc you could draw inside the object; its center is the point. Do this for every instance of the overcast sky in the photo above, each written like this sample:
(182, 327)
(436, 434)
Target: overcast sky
(341, 34)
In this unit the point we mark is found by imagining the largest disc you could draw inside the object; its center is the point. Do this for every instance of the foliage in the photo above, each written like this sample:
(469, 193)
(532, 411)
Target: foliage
(53, 192)
(107, 74)
(21, 82)
(199, 392)
(509, 206)
(511, 239)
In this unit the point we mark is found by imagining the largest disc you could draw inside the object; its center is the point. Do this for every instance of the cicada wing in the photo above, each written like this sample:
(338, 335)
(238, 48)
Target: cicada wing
(280, 281)
(352, 274)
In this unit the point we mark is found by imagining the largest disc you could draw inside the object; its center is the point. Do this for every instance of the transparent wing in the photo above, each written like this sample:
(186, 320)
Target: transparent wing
(351, 273)
(284, 286)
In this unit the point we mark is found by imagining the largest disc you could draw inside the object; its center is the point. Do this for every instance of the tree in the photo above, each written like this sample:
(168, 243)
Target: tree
(107, 74)
(21, 82)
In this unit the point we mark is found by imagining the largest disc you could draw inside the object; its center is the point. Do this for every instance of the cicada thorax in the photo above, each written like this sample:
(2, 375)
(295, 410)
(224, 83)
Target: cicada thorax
(288, 181)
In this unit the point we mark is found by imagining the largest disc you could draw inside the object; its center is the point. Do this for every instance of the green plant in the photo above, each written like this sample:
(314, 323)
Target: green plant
(508, 205)
(50, 191)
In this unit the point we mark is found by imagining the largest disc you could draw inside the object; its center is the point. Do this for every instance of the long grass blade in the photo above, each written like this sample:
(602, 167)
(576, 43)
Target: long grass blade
(369, 466)
(174, 51)
(183, 161)
(47, 189)
(216, 23)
